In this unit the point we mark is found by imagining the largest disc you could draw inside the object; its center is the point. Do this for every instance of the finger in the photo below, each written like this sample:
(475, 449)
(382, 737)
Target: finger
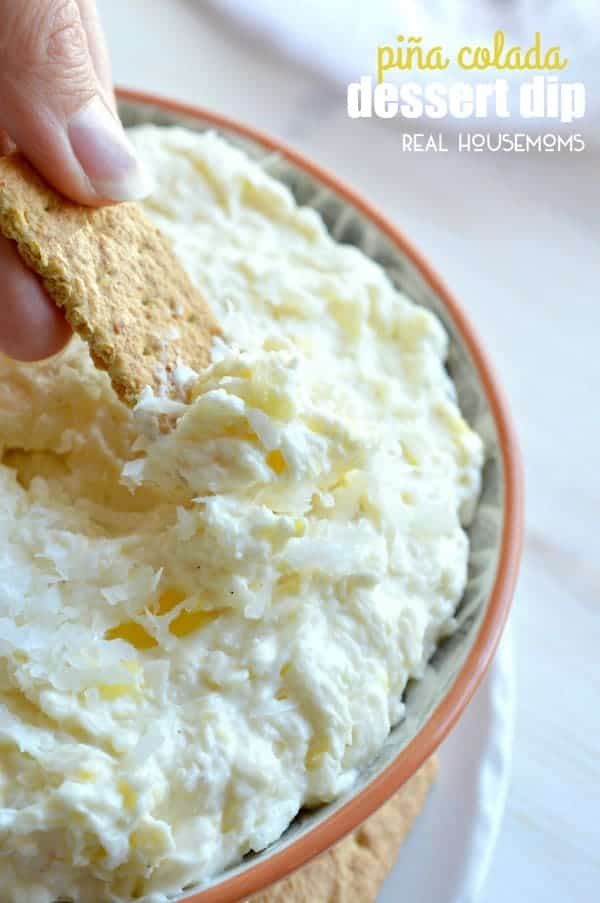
(6, 145)
(31, 326)
(52, 106)
(98, 49)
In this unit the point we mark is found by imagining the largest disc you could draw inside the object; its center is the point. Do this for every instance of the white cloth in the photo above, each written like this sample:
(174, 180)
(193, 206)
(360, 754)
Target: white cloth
(447, 856)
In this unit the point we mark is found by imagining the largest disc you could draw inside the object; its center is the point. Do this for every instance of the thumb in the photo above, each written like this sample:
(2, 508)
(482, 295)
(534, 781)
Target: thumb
(51, 104)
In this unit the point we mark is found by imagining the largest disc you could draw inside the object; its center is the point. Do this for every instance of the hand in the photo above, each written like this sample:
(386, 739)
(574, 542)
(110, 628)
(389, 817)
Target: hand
(57, 106)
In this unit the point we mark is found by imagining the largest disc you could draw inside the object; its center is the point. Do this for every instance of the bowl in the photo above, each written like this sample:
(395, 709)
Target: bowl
(434, 703)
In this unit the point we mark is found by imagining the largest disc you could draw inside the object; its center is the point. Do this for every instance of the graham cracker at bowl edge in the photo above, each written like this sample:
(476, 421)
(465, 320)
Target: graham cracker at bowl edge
(354, 870)
(116, 278)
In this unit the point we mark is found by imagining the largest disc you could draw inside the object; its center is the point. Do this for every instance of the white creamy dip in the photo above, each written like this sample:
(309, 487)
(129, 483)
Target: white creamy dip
(203, 631)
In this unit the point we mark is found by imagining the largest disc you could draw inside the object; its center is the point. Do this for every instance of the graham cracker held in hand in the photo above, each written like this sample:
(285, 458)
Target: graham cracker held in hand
(117, 279)
(354, 870)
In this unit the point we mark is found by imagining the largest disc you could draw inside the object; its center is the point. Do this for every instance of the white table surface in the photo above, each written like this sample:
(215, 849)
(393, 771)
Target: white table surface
(517, 239)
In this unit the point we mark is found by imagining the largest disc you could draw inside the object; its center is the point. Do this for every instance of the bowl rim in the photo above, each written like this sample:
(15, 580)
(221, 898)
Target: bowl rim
(258, 876)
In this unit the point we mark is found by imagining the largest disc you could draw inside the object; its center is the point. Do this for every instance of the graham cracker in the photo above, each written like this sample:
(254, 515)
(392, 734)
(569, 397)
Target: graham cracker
(116, 277)
(354, 870)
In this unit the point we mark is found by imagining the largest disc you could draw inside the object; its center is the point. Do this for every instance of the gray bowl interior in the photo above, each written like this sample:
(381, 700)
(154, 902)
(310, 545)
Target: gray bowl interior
(350, 226)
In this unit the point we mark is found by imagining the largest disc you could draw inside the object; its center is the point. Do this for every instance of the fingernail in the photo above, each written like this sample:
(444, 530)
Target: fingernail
(106, 154)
